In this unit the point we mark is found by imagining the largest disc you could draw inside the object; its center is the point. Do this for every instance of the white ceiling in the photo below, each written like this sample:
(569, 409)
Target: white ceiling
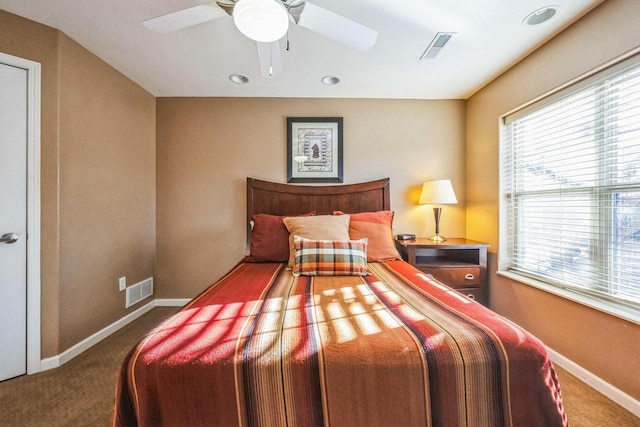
(198, 60)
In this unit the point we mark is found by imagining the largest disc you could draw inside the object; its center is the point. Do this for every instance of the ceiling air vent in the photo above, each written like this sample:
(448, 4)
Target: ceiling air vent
(436, 45)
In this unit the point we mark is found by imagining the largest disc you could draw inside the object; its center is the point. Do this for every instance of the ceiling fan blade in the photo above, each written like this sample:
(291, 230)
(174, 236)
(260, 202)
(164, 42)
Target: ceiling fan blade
(270, 58)
(185, 18)
(337, 27)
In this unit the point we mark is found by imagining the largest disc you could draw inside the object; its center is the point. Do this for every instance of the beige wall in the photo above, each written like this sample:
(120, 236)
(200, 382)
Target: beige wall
(97, 183)
(207, 147)
(605, 345)
(107, 190)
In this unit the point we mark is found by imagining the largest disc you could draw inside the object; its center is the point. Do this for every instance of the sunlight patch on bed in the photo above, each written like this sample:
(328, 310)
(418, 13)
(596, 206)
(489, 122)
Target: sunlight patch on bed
(515, 329)
(348, 294)
(356, 311)
(387, 318)
(294, 302)
(365, 321)
(429, 279)
(343, 328)
(459, 296)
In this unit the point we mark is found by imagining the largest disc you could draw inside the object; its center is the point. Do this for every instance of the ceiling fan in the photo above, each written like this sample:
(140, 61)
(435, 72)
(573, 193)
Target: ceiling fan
(267, 21)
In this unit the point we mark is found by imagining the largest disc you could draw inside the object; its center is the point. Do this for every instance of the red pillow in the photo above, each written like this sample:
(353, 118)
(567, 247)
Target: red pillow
(377, 228)
(269, 238)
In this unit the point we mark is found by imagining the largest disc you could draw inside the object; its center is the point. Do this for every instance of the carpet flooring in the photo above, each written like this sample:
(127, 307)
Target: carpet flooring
(80, 393)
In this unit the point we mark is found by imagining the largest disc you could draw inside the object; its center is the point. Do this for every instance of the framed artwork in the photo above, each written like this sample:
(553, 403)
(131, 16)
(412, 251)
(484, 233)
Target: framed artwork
(314, 149)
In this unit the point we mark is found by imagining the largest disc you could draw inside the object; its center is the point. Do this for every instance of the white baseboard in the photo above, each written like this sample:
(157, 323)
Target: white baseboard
(620, 397)
(67, 355)
(177, 302)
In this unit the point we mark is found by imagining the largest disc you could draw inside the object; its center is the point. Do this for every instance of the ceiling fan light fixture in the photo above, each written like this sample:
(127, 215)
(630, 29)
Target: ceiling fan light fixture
(261, 20)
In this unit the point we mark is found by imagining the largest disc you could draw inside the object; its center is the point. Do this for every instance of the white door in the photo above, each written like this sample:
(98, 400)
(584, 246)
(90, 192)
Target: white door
(13, 221)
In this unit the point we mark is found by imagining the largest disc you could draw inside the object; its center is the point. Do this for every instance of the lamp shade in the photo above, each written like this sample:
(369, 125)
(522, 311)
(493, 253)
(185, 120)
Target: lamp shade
(261, 20)
(438, 192)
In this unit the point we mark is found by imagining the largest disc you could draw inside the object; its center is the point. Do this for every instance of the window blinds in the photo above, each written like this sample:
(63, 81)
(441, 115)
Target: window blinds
(570, 182)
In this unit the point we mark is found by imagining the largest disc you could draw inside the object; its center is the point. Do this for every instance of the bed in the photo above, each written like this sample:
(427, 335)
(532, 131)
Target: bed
(316, 336)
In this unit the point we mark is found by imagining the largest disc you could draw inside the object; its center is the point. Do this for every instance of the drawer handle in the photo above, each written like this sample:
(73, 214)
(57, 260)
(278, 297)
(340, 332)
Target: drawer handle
(469, 276)
(471, 296)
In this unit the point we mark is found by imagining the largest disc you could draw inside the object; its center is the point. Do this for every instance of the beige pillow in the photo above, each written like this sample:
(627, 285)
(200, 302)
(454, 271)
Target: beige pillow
(321, 227)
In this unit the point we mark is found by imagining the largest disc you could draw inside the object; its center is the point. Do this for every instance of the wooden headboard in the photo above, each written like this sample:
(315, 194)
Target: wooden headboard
(290, 199)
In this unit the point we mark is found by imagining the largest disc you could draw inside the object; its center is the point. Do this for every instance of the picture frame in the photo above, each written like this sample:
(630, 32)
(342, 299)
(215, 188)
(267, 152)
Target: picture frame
(314, 149)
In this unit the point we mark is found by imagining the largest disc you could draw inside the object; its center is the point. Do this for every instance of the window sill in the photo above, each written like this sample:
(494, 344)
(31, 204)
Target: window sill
(618, 310)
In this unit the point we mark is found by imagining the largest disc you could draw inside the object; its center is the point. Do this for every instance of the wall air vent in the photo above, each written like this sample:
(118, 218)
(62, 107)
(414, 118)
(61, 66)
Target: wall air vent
(436, 45)
(139, 291)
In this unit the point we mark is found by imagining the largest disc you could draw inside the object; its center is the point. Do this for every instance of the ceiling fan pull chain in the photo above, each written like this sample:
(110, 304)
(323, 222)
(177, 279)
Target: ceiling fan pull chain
(287, 41)
(270, 60)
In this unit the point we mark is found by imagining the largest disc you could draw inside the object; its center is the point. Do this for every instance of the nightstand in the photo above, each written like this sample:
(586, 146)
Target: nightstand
(458, 263)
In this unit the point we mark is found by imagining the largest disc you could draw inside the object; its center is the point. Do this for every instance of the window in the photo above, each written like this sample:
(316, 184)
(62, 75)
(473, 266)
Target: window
(570, 187)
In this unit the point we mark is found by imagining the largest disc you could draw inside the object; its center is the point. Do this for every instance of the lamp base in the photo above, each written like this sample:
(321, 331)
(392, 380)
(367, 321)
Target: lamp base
(437, 212)
(437, 238)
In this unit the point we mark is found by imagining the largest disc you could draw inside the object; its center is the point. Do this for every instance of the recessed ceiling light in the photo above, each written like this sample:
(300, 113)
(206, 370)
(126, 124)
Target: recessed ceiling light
(239, 79)
(541, 15)
(330, 80)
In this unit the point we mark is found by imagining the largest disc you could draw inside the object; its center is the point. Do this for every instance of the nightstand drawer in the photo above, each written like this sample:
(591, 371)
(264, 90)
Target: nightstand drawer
(458, 277)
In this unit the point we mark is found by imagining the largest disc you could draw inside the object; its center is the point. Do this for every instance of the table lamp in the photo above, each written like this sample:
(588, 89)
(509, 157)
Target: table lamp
(438, 192)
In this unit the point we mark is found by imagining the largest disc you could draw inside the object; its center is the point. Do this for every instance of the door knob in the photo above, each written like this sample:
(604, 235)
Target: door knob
(9, 238)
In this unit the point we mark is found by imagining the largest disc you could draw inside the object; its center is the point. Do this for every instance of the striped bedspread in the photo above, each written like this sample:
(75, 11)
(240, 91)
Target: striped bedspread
(395, 348)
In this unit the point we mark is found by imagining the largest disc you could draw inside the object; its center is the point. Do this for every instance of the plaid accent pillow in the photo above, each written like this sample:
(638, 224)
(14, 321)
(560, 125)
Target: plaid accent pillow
(330, 257)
